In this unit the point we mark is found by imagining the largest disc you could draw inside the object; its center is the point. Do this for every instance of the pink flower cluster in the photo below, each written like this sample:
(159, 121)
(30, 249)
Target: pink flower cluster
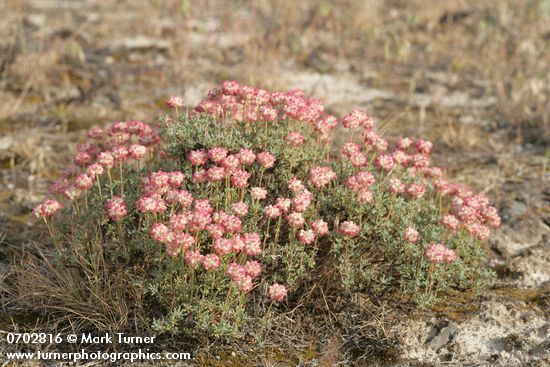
(410, 235)
(277, 292)
(233, 102)
(360, 184)
(438, 253)
(468, 210)
(116, 208)
(119, 142)
(175, 102)
(47, 209)
(218, 163)
(348, 228)
(221, 233)
(321, 176)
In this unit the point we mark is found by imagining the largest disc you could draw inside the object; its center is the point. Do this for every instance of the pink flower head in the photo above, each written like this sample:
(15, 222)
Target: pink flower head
(82, 159)
(295, 139)
(302, 201)
(203, 206)
(151, 204)
(182, 197)
(365, 196)
(215, 231)
(362, 180)
(246, 156)
(106, 159)
(376, 142)
(268, 113)
(320, 227)
(149, 139)
(230, 87)
(240, 208)
(384, 162)
(432, 172)
(71, 192)
(277, 292)
(396, 186)
(223, 246)
(193, 258)
(244, 283)
(306, 236)
(236, 271)
(231, 163)
(266, 159)
(137, 151)
(217, 154)
(358, 159)
(478, 231)
(258, 193)
(451, 256)
(424, 147)
(349, 229)
(351, 149)
(272, 211)
(174, 102)
(95, 133)
(216, 174)
(239, 179)
(416, 190)
(197, 157)
(160, 180)
(403, 143)
(450, 222)
(83, 181)
(295, 220)
(238, 243)
(95, 169)
(410, 235)
(116, 208)
(321, 176)
(253, 244)
(295, 185)
(491, 217)
(419, 160)
(400, 157)
(253, 268)
(231, 223)
(179, 221)
(161, 233)
(183, 240)
(436, 253)
(284, 204)
(199, 221)
(120, 153)
(47, 209)
(200, 176)
(58, 186)
(176, 178)
(357, 118)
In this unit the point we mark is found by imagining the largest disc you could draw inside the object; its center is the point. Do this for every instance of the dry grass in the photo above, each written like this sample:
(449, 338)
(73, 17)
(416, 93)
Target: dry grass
(86, 296)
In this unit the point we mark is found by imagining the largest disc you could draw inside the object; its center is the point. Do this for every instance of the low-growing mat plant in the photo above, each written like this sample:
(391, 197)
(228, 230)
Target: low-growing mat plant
(223, 214)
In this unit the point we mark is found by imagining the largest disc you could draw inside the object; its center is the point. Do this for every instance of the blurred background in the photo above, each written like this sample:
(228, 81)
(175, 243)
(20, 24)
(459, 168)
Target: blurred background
(471, 75)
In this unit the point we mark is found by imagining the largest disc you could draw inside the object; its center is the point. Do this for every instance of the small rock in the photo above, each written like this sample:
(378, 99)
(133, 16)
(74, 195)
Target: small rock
(140, 43)
(6, 142)
(35, 20)
(442, 334)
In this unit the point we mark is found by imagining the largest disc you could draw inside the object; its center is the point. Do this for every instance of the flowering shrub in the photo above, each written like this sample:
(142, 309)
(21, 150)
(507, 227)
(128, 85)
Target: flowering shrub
(240, 201)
